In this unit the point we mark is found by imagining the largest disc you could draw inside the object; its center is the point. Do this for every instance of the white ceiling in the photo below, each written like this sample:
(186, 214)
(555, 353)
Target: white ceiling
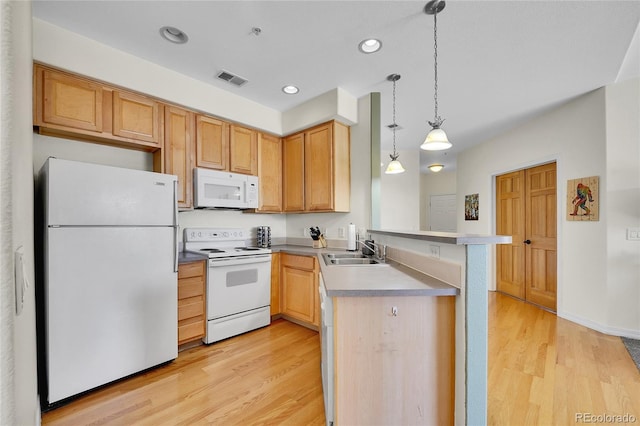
(500, 62)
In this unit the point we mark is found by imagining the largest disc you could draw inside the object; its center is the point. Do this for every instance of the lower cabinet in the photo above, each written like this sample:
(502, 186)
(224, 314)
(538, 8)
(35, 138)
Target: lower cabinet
(393, 360)
(299, 289)
(191, 301)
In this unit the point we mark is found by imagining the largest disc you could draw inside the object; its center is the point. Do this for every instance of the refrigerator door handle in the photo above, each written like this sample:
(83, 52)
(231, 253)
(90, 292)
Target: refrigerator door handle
(175, 226)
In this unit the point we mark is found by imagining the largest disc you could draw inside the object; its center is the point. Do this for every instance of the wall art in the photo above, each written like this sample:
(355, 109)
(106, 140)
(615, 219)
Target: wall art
(583, 199)
(471, 207)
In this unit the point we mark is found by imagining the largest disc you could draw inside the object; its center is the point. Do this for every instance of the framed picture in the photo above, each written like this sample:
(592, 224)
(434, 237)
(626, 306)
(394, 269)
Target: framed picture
(471, 207)
(583, 199)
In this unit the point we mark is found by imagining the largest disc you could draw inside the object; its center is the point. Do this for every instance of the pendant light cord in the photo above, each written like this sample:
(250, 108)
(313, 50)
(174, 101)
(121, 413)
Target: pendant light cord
(435, 63)
(394, 118)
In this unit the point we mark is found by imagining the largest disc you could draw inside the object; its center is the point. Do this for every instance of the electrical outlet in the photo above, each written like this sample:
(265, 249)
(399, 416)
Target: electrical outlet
(341, 232)
(434, 251)
(305, 232)
(362, 232)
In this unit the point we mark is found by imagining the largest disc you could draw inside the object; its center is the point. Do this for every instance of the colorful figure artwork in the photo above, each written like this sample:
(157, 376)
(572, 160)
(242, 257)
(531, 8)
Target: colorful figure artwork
(582, 199)
(471, 207)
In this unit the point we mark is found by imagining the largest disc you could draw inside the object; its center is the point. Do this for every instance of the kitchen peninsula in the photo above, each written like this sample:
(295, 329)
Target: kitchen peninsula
(409, 327)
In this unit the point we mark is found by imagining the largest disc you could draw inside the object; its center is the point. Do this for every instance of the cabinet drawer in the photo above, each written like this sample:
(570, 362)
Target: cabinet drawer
(299, 262)
(194, 269)
(189, 308)
(190, 331)
(190, 287)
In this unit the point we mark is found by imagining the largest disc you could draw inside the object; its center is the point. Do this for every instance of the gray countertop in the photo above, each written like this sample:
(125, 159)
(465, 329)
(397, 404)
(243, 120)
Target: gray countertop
(446, 237)
(391, 279)
(188, 257)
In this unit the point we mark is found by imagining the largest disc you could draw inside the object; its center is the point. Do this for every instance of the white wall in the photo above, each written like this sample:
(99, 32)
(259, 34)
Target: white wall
(441, 183)
(576, 136)
(623, 205)
(400, 193)
(18, 384)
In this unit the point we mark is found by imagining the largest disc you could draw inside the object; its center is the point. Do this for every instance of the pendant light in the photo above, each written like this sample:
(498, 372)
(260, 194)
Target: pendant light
(394, 166)
(437, 139)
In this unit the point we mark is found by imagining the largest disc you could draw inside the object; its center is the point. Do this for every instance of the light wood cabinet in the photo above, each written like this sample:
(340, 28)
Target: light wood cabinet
(243, 150)
(136, 117)
(191, 301)
(212, 143)
(67, 101)
(80, 108)
(299, 288)
(269, 173)
(179, 151)
(320, 158)
(293, 173)
(375, 339)
(275, 284)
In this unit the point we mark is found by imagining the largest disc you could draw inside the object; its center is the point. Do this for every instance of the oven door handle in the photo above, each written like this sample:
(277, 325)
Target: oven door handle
(243, 260)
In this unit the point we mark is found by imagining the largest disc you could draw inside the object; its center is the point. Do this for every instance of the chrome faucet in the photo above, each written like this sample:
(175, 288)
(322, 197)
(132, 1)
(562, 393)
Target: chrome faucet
(380, 251)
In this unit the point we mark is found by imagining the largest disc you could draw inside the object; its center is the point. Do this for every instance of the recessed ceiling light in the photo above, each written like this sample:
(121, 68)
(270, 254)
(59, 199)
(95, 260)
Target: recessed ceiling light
(370, 45)
(173, 35)
(290, 90)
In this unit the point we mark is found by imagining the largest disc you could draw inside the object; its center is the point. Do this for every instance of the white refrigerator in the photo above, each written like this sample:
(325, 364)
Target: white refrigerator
(110, 273)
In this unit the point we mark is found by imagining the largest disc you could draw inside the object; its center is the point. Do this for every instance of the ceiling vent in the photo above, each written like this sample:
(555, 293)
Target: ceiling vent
(232, 78)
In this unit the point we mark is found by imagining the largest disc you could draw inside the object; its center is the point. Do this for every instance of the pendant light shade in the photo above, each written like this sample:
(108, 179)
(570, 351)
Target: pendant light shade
(394, 166)
(436, 139)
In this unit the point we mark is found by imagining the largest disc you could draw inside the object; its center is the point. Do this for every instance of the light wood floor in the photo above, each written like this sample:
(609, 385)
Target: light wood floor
(543, 370)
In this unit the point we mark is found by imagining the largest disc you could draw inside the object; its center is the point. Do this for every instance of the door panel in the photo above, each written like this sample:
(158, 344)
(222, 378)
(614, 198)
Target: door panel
(510, 221)
(541, 230)
(526, 210)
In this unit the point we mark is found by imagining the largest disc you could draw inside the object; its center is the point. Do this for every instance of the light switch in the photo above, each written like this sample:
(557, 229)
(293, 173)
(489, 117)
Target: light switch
(633, 234)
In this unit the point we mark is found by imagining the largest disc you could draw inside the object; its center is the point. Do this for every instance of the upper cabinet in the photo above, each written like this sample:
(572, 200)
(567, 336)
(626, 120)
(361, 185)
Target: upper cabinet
(68, 101)
(293, 173)
(269, 173)
(212, 143)
(317, 169)
(179, 151)
(68, 105)
(243, 150)
(136, 117)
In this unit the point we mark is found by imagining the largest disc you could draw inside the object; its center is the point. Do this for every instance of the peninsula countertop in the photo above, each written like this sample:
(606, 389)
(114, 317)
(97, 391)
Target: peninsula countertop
(389, 279)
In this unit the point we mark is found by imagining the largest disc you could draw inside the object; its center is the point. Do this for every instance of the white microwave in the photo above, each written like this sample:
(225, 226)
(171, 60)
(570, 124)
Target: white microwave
(218, 189)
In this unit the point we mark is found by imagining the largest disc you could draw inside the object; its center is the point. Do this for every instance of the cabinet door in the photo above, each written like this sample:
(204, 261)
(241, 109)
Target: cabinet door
(136, 117)
(298, 283)
(212, 143)
(191, 301)
(270, 173)
(243, 150)
(293, 173)
(69, 102)
(178, 152)
(318, 153)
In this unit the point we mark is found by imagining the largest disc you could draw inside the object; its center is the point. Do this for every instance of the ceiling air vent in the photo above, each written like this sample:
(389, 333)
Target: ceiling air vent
(231, 78)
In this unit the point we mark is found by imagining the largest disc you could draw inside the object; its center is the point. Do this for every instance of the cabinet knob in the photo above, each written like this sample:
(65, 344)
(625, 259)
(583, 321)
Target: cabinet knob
(527, 241)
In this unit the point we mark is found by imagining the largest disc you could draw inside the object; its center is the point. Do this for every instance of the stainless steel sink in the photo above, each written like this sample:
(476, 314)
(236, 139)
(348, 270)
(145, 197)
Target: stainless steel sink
(344, 255)
(349, 259)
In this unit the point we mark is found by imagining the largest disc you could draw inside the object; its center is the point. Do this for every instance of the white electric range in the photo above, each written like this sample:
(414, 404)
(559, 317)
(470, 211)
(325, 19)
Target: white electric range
(238, 280)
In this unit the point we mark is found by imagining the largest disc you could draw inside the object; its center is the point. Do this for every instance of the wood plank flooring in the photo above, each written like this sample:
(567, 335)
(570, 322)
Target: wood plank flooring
(543, 370)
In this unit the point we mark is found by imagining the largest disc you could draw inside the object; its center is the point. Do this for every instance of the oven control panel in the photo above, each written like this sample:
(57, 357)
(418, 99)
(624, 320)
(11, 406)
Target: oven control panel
(214, 234)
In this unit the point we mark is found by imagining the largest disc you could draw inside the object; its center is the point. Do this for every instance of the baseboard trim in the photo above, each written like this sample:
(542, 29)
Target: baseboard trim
(613, 331)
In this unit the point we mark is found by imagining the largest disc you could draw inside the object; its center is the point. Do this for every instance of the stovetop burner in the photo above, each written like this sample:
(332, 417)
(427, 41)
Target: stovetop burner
(220, 242)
